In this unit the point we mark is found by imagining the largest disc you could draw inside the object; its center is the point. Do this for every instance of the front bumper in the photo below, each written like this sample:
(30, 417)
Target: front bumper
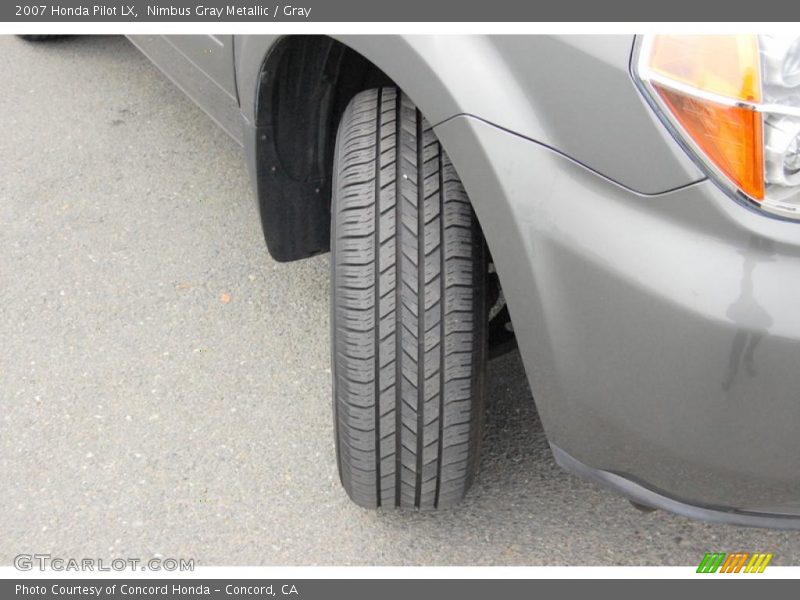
(660, 334)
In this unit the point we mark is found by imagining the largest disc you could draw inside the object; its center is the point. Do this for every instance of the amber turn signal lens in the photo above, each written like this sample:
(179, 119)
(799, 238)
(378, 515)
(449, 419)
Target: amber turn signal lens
(711, 85)
(727, 65)
(729, 136)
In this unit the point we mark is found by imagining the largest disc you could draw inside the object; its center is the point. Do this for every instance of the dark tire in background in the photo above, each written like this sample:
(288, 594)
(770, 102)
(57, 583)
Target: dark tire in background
(37, 38)
(409, 324)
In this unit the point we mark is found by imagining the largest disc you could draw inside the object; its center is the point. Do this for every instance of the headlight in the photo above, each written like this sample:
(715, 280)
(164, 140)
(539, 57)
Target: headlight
(734, 102)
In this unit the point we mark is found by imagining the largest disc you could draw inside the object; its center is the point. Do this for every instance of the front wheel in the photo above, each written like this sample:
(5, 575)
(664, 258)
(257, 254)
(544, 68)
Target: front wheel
(408, 314)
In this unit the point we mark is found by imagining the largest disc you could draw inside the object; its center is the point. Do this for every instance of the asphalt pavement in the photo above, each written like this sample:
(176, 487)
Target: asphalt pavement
(165, 385)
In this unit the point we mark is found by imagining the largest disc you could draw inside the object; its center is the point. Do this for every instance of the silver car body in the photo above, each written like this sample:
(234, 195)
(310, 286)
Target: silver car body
(656, 317)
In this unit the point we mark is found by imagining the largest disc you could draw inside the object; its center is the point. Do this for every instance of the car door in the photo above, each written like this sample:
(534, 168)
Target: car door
(203, 67)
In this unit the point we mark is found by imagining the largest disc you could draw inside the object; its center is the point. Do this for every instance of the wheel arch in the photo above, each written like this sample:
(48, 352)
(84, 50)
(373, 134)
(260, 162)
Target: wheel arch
(293, 91)
(302, 87)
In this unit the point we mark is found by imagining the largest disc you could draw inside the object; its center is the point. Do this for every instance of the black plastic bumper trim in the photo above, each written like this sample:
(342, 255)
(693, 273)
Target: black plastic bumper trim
(643, 495)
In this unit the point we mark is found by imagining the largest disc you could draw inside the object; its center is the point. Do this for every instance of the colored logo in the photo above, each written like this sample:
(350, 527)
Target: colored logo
(738, 562)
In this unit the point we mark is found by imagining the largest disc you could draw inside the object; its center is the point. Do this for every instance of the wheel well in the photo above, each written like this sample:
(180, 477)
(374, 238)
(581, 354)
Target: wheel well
(305, 84)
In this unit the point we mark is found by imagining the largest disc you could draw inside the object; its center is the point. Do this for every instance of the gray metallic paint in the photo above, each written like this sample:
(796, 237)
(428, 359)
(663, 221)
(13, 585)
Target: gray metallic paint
(195, 73)
(660, 334)
(585, 105)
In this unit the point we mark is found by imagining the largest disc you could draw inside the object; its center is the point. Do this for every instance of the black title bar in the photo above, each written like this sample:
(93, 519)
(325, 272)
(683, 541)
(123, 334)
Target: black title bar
(33, 11)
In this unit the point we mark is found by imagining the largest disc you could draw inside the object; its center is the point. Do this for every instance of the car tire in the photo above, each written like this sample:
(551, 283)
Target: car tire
(37, 38)
(408, 311)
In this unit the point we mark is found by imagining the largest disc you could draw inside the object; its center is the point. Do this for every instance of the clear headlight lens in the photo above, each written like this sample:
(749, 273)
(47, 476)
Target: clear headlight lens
(734, 102)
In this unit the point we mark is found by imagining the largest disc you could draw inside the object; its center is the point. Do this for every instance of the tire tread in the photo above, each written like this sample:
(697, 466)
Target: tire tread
(408, 311)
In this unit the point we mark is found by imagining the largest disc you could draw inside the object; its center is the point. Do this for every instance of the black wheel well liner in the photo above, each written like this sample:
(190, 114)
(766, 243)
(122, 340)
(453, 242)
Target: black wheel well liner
(305, 83)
